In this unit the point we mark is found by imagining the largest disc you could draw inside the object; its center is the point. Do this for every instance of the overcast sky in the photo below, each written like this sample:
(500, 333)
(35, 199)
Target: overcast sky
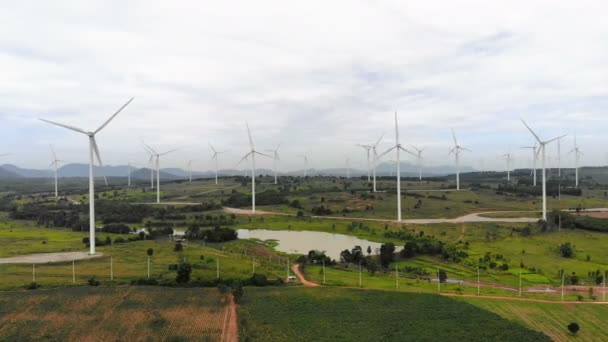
(316, 76)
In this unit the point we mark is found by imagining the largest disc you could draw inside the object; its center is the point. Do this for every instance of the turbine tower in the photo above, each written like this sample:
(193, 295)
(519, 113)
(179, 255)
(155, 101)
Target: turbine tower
(541, 148)
(93, 152)
(252, 152)
(305, 158)
(534, 158)
(398, 148)
(55, 165)
(157, 156)
(577, 158)
(367, 148)
(214, 157)
(347, 164)
(376, 158)
(275, 157)
(190, 170)
(419, 161)
(456, 151)
(508, 159)
(151, 166)
(129, 174)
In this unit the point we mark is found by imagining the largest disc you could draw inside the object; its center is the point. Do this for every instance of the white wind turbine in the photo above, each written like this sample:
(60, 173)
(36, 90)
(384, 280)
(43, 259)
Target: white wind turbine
(129, 166)
(541, 148)
(55, 165)
(367, 149)
(305, 158)
(157, 156)
(93, 152)
(534, 158)
(419, 161)
(276, 158)
(214, 156)
(559, 158)
(398, 148)
(376, 158)
(577, 158)
(190, 170)
(151, 166)
(508, 159)
(456, 151)
(252, 152)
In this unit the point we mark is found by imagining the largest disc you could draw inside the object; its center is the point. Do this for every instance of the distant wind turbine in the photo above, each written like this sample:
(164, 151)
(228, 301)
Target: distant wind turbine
(214, 156)
(398, 148)
(419, 161)
(534, 158)
(367, 149)
(157, 156)
(376, 158)
(129, 174)
(190, 170)
(151, 166)
(456, 151)
(55, 165)
(252, 152)
(93, 152)
(347, 165)
(305, 158)
(541, 148)
(276, 158)
(577, 158)
(508, 159)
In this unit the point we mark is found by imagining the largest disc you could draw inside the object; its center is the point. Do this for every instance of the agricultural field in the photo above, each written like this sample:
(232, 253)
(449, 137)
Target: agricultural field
(333, 314)
(113, 313)
(551, 318)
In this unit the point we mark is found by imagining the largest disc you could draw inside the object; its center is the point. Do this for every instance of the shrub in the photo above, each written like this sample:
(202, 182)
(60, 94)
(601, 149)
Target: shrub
(32, 286)
(93, 282)
(573, 328)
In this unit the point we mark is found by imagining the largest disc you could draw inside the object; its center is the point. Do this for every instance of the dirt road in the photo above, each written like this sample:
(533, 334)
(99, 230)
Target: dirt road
(48, 257)
(475, 217)
(296, 270)
(230, 331)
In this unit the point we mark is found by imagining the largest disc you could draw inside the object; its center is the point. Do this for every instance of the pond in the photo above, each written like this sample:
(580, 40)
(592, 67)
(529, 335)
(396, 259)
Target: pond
(301, 242)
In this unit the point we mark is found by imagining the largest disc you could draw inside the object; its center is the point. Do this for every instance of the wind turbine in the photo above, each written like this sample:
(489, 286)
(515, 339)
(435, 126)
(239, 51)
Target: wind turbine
(93, 152)
(55, 164)
(577, 159)
(508, 159)
(534, 158)
(275, 157)
(456, 151)
(252, 153)
(157, 156)
(129, 174)
(151, 165)
(376, 157)
(419, 160)
(541, 148)
(305, 158)
(190, 170)
(367, 148)
(214, 157)
(398, 148)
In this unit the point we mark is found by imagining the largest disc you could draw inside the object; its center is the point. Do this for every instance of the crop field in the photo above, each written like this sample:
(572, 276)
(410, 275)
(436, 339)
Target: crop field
(332, 314)
(551, 318)
(112, 313)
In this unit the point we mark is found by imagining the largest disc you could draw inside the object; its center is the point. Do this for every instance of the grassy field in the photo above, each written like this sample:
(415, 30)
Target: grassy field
(551, 319)
(112, 314)
(332, 314)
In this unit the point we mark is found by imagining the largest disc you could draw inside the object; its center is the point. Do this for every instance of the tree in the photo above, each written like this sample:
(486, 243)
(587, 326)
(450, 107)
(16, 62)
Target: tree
(566, 250)
(443, 276)
(369, 250)
(183, 273)
(178, 247)
(387, 251)
(150, 252)
(573, 328)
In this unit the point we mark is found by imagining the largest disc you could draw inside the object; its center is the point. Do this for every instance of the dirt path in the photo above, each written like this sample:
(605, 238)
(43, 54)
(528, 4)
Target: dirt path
(520, 299)
(230, 330)
(48, 257)
(474, 217)
(296, 270)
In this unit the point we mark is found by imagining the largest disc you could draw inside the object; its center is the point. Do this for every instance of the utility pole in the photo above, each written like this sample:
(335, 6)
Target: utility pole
(253, 265)
(148, 267)
(73, 272)
(563, 275)
(520, 283)
(34, 273)
(359, 273)
(438, 282)
(478, 284)
(112, 269)
(217, 268)
(397, 277)
(323, 271)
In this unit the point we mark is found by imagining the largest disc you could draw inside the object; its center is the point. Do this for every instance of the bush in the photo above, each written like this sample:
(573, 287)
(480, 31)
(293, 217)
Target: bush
(93, 282)
(183, 273)
(178, 247)
(573, 328)
(32, 286)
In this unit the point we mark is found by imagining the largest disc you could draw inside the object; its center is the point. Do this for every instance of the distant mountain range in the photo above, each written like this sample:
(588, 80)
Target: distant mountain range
(82, 170)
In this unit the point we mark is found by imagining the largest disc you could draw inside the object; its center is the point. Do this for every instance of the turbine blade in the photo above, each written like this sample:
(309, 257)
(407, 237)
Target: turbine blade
(531, 131)
(385, 152)
(113, 116)
(262, 154)
(408, 151)
(150, 149)
(162, 154)
(98, 156)
(548, 141)
(377, 142)
(396, 129)
(244, 158)
(454, 137)
(53, 152)
(65, 126)
(249, 134)
(212, 149)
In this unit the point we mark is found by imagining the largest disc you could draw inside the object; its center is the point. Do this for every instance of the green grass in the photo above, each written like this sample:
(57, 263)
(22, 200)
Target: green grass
(332, 314)
(551, 319)
(111, 314)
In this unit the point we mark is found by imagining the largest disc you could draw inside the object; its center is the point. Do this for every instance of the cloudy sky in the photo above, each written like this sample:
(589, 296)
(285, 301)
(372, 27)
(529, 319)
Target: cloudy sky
(316, 76)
